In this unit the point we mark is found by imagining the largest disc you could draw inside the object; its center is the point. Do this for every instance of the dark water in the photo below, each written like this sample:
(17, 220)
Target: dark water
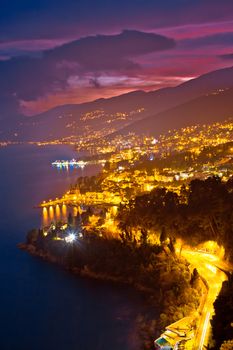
(42, 306)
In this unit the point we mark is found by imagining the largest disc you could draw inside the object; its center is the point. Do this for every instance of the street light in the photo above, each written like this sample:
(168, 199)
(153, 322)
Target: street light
(70, 238)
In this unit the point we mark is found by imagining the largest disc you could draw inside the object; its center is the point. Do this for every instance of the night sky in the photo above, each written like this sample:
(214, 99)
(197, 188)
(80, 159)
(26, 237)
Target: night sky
(56, 52)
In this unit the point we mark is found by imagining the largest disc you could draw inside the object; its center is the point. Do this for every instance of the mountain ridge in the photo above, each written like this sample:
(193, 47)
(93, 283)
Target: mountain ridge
(205, 109)
(66, 120)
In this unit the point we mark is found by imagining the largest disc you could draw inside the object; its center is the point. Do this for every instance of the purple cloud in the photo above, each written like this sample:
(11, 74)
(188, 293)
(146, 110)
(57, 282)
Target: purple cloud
(110, 52)
(219, 39)
(28, 78)
(228, 56)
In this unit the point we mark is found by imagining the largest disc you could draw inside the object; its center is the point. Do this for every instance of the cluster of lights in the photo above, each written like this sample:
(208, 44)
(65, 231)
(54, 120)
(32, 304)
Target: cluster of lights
(72, 237)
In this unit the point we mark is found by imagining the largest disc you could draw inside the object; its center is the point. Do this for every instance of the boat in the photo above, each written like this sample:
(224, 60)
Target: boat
(67, 163)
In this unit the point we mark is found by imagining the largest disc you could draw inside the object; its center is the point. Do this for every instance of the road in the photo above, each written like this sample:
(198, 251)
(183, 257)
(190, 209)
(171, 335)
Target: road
(209, 267)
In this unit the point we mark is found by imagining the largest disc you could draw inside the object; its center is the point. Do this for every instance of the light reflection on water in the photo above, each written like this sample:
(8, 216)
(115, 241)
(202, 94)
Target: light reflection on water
(43, 306)
(51, 213)
(45, 217)
(55, 214)
(59, 213)
(64, 211)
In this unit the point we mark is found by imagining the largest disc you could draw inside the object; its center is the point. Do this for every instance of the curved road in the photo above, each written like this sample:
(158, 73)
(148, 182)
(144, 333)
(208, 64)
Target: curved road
(209, 268)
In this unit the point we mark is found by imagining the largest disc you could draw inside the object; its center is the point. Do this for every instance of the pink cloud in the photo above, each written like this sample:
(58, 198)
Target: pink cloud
(190, 31)
(105, 66)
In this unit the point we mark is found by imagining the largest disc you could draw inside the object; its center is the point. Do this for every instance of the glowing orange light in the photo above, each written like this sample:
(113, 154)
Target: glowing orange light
(58, 212)
(45, 216)
(64, 211)
(51, 213)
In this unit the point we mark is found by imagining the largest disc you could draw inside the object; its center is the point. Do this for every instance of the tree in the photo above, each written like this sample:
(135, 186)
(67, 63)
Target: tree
(32, 236)
(163, 235)
(70, 219)
(222, 320)
(171, 245)
(194, 277)
(144, 236)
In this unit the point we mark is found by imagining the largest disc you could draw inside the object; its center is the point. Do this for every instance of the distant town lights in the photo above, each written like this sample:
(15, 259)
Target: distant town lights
(121, 167)
(154, 141)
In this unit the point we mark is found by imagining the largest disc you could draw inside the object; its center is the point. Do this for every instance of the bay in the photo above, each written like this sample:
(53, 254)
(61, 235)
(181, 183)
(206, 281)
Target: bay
(42, 305)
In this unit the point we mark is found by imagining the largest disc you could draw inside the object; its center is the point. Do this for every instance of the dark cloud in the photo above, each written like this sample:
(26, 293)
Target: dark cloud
(28, 28)
(110, 52)
(219, 39)
(228, 56)
(28, 78)
(95, 83)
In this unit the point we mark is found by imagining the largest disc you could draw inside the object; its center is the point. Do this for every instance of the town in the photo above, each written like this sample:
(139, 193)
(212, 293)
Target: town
(136, 165)
(142, 169)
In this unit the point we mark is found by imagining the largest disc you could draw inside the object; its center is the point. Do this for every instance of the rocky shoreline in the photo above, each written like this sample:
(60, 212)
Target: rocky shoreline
(169, 289)
(82, 272)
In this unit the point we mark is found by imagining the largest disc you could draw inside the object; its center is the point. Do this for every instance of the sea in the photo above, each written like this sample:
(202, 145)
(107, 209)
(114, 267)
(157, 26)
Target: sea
(43, 306)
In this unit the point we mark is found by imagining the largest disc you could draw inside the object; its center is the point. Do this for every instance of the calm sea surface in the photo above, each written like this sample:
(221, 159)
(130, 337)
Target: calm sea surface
(42, 306)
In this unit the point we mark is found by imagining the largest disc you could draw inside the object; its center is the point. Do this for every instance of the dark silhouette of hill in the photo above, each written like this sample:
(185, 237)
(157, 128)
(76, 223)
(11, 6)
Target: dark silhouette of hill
(174, 107)
(213, 107)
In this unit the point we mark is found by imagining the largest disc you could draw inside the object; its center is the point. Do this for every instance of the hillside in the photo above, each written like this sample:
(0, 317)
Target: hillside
(210, 108)
(106, 116)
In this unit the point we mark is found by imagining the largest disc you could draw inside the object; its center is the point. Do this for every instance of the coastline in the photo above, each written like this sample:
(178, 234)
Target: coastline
(82, 272)
(152, 322)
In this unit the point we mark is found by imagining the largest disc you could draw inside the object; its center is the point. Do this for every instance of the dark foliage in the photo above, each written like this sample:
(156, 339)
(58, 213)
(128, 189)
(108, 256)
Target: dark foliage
(222, 323)
(205, 214)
